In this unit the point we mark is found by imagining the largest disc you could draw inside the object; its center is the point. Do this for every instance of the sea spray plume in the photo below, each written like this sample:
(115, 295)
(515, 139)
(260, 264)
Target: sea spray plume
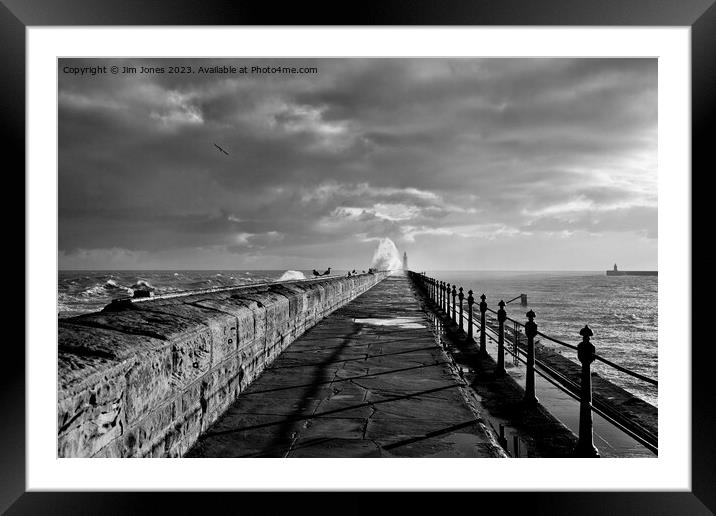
(143, 284)
(386, 257)
(142, 288)
(292, 275)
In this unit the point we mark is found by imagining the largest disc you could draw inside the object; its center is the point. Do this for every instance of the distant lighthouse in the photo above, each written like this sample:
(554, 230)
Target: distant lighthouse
(405, 261)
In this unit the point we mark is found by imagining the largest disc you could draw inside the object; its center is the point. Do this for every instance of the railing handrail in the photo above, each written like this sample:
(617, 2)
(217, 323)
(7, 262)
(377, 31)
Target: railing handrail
(626, 371)
(597, 357)
(560, 380)
(568, 386)
(586, 354)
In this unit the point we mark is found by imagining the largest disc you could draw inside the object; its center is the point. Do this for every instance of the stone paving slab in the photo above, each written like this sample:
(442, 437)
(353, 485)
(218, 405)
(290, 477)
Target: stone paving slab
(367, 381)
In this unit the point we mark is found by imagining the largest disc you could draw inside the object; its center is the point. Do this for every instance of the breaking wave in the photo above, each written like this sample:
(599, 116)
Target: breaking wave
(104, 289)
(292, 275)
(142, 284)
(386, 256)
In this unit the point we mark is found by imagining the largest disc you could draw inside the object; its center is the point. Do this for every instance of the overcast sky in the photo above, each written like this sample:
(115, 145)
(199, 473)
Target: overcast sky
(522, 164)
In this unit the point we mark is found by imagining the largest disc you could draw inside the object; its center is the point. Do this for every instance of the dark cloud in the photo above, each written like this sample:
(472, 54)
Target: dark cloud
(423, 151)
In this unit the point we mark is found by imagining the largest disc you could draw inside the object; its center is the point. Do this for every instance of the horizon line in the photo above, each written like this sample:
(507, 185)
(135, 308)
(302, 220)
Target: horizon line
(338, 268)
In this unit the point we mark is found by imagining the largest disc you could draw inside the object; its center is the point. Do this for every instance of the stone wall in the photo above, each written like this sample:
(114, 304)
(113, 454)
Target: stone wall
(145, 379)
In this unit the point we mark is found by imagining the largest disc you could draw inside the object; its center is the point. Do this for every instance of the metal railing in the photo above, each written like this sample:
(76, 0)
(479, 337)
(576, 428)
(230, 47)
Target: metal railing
(493, 322)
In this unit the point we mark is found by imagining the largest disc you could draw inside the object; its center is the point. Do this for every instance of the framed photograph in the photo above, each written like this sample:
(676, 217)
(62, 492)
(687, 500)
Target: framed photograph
(447, 237)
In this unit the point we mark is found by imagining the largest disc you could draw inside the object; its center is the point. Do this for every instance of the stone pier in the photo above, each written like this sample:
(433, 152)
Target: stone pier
(144, 378)
(369, 380)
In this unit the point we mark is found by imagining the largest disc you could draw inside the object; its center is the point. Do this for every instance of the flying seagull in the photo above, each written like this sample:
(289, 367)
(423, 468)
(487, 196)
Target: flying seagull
(222, 150)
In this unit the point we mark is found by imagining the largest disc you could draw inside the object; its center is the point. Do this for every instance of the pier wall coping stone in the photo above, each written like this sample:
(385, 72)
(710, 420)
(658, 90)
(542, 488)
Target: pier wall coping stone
(146, 379)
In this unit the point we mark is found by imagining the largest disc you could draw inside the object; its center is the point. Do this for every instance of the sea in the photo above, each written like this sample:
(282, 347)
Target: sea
(620, 310)
(81, 292)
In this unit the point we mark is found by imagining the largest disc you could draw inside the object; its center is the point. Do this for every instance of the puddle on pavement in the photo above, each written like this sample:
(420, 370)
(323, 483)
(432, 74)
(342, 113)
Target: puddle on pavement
(506, 436)
(405, 323)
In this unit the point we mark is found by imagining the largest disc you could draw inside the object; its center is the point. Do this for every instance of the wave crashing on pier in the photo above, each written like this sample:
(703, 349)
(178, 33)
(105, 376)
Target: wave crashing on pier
(386, 257)
(292, 275)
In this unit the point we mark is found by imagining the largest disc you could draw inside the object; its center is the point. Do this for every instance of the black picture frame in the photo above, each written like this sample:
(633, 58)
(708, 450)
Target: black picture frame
(700, 15)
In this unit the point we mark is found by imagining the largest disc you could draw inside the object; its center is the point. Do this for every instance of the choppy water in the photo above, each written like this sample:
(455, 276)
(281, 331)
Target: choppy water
(620, 310)
(81, 292)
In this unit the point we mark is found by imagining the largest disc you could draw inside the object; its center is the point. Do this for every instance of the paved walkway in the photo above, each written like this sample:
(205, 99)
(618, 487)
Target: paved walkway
(367, 381)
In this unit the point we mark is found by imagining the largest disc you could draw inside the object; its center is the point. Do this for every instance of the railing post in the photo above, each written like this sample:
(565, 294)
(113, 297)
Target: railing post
(470, 301)
(454, 295)
(461, 296)
(483, 338)
(442, 295)
(501, 318)
(531, 331)
(586, 353)
(447, 297)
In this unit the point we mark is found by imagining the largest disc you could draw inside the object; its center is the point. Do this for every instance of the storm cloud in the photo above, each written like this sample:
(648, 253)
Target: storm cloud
(464, 163)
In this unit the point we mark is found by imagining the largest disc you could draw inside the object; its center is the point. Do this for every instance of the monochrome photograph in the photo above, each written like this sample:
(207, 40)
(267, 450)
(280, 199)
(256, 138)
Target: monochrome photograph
(357, 257)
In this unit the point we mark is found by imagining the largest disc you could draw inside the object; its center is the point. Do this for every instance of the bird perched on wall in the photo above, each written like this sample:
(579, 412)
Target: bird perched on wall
(220, 149)
(327, 272)
(354, 271)
(316, 273)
